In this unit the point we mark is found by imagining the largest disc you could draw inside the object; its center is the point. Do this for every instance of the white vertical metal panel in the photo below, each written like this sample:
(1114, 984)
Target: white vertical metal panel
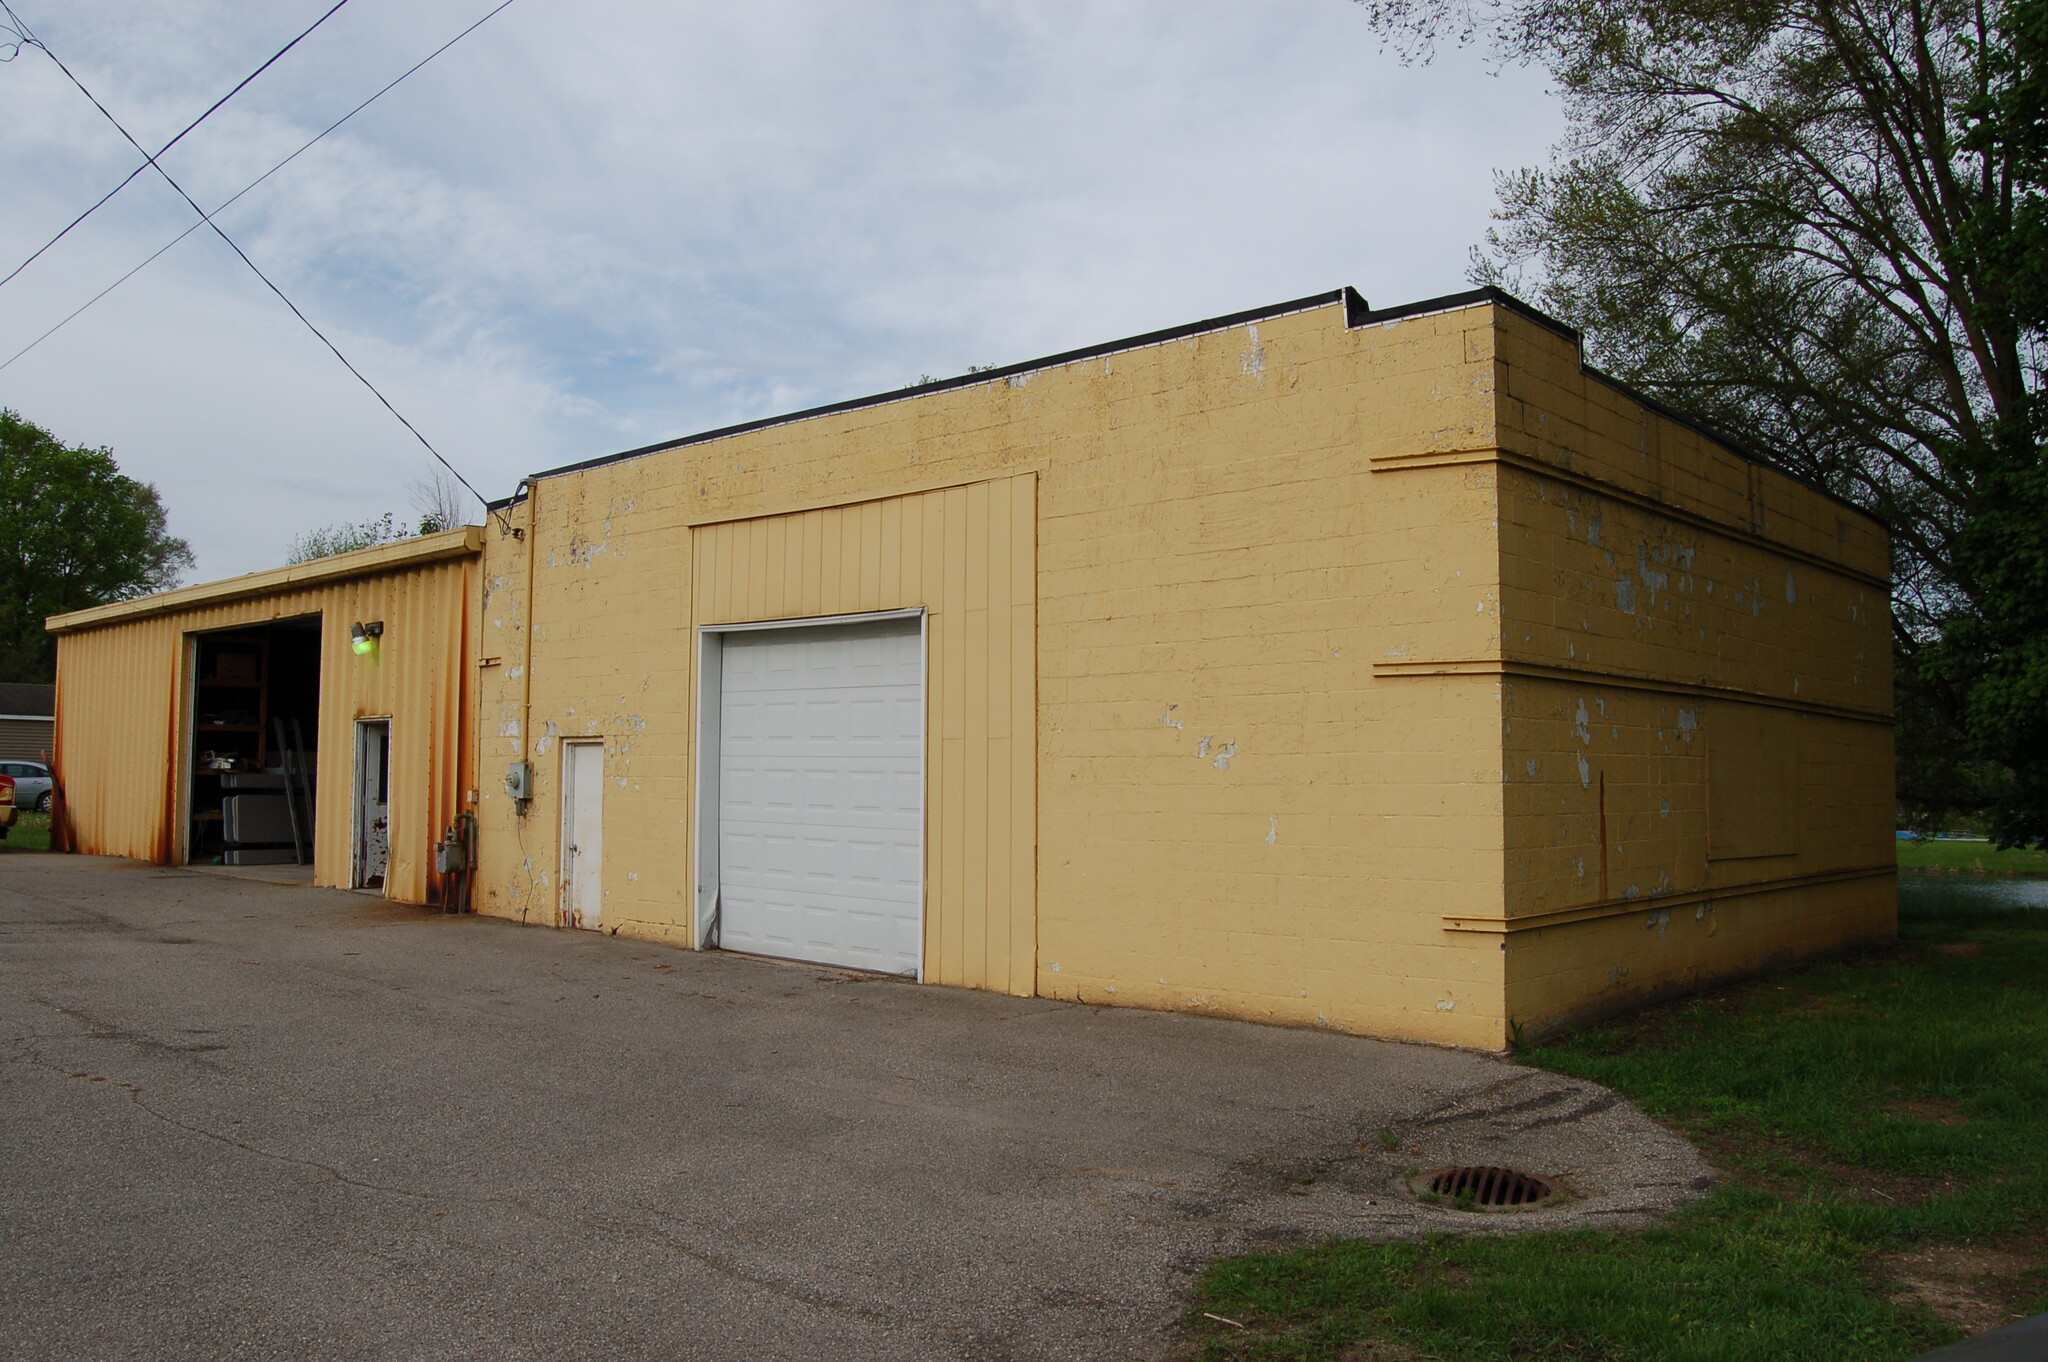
(821, 794)
(583, 835)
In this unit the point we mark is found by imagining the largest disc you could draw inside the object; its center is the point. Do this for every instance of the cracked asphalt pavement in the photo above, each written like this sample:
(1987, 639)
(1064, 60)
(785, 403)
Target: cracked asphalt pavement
(251, 1120)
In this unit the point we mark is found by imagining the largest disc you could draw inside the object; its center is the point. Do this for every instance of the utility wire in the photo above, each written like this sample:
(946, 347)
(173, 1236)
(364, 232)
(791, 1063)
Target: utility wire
(335, 350)
(30, 38)
(249, 186)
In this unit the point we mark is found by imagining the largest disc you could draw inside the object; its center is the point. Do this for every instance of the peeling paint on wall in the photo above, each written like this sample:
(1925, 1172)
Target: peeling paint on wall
(1652, 578)
(1253, 360)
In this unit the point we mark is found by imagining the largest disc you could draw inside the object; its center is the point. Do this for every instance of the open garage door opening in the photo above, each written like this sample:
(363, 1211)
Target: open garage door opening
(255, 730)
(813, 792)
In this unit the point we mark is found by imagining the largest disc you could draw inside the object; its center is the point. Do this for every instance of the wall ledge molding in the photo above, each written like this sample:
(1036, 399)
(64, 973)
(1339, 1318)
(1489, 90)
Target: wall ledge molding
(1618, 679)
(1543, 468)
(1591, 912)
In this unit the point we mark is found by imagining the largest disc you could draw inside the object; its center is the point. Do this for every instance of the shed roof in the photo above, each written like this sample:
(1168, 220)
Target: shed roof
(427, 548)
(27, 700)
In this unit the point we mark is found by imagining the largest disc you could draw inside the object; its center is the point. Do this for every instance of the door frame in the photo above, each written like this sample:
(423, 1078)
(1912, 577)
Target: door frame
(564, 908)
(710, 695)
(355, 805)
(186, 746)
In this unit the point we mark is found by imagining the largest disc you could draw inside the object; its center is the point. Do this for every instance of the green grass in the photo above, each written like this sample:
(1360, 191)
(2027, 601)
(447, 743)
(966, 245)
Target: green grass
(1896, 1102)
(32, 833)
(1977, 858)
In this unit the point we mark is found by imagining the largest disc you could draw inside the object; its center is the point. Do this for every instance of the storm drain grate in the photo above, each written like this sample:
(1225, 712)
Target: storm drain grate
(1503, 1188)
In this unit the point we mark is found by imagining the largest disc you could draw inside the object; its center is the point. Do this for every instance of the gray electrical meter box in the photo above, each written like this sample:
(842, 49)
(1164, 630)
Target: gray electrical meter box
(519, 780)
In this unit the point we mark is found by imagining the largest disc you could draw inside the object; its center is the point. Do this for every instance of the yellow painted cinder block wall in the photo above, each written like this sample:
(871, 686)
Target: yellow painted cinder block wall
(1205, 799)
(124, 702)
(1256, 663)
(1696, 676)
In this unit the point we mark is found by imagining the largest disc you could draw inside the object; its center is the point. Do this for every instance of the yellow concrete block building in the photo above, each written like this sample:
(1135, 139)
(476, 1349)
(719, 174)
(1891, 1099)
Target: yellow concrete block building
(1381, 670)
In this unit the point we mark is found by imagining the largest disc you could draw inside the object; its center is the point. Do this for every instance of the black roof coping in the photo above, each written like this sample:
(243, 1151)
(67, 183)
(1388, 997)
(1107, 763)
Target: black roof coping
(1357, 313)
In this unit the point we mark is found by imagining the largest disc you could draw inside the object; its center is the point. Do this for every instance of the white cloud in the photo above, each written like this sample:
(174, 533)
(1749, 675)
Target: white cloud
(590, 227)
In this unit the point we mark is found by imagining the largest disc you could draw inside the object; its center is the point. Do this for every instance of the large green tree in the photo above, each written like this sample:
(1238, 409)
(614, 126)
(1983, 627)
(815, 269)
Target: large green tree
(1802, 221)
(74, 532)
(1995, 656)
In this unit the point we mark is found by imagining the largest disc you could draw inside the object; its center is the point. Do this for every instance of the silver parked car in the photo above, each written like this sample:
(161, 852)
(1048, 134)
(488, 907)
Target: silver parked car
(31, 784)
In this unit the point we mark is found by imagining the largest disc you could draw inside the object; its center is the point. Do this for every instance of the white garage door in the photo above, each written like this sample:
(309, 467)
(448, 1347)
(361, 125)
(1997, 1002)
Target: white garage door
(821, 794)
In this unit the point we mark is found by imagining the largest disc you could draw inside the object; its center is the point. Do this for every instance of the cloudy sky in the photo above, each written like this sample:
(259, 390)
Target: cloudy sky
(592, 226)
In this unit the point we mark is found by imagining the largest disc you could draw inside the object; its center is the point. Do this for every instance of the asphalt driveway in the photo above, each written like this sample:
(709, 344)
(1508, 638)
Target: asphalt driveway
(249, 1120)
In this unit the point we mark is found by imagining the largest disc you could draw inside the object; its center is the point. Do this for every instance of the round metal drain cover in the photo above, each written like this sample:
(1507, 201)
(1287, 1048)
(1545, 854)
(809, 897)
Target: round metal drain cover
(1487, 1189)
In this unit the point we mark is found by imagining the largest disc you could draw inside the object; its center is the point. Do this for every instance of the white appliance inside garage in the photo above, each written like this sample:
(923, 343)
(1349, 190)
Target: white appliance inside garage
(820, 793)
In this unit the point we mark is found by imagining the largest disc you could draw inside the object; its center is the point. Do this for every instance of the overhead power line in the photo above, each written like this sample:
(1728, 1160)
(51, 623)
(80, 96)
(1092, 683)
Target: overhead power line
(306, 146)
(168, 179)
(30, 39)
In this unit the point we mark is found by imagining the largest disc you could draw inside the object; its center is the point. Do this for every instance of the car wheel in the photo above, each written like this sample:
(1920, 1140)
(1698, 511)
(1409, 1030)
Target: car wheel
(43, 804)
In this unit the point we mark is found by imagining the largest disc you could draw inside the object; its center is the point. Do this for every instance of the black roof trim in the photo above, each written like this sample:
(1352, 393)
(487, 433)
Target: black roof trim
(1354, 307)
(1451, 302)
(1357, 313)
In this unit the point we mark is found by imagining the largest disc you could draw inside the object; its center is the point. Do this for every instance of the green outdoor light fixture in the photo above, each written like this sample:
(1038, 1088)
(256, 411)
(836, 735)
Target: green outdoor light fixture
(362, 638)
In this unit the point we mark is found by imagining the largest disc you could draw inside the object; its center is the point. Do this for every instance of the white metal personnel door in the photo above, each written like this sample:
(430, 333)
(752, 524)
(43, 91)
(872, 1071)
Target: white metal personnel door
(583, 835)
(821, 794)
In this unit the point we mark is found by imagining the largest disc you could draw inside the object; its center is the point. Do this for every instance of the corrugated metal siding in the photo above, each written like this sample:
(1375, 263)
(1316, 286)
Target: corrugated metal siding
(26, 739)
(968, 556)
(121, 707)
(117, 704)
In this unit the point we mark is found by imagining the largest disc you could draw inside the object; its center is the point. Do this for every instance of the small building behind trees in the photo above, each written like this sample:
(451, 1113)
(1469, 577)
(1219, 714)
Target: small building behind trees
(28, 720)
(1382, 670)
